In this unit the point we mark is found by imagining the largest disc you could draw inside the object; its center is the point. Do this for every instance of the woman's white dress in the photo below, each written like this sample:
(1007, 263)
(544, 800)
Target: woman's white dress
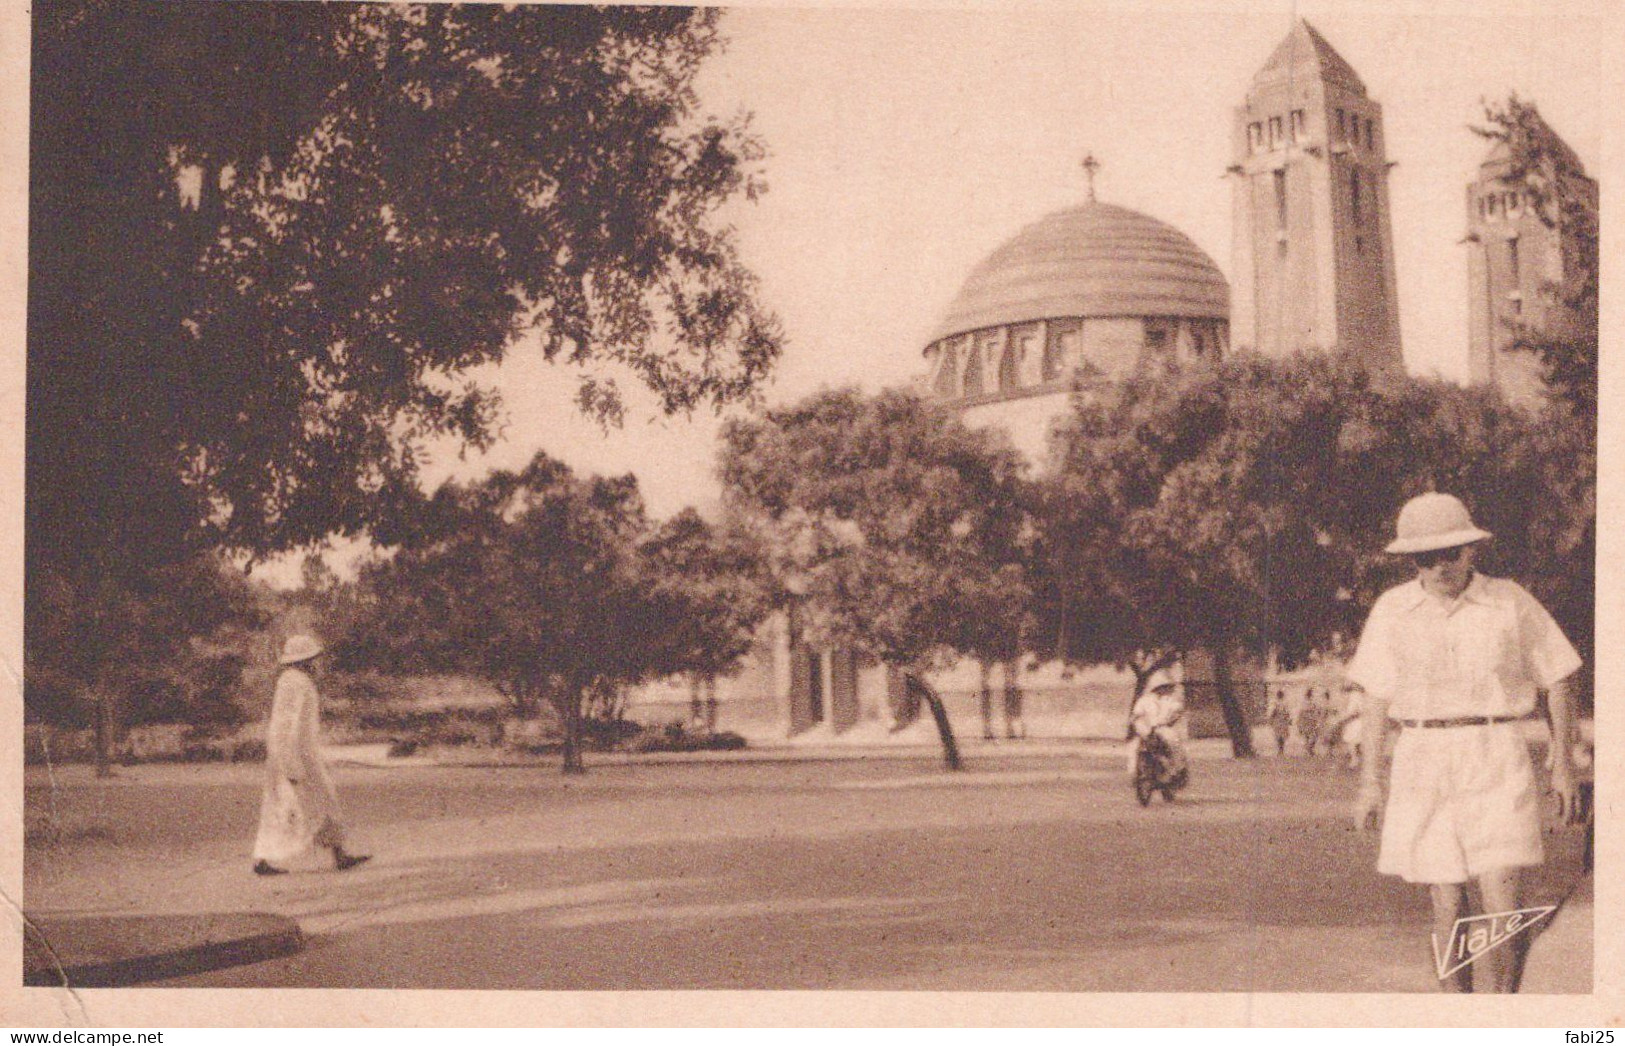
(299, 808)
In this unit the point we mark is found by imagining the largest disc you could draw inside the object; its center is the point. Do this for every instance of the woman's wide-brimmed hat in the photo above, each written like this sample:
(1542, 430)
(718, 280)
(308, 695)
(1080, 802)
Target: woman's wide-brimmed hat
(299, 648)
(1433, 521)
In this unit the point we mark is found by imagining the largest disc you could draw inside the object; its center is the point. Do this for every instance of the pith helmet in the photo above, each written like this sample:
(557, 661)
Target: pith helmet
(1432, 521)
(299, 648)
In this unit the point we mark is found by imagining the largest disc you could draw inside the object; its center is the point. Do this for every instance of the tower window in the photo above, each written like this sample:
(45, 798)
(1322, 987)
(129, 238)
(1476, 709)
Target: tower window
(1255, 137)
(1342, 126)
(1512, 259)
(1298, 130)
(1275, 131)
(1280, 200)
(1354, 128)
(1369, 139)
(1483, 207)
(1354, 194)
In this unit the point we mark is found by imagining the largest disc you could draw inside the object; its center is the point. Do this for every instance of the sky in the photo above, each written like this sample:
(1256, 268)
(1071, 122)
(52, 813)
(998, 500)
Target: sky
(905, 144)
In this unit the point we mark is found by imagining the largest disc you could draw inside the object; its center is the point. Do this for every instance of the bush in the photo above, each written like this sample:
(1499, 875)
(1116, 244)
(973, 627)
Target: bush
(604, 735)
(250, 751)
(674, 737)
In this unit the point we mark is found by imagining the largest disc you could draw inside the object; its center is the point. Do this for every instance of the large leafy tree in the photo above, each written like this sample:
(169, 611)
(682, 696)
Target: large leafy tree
(269, 240)
(898, 530)
(526, 579)
(554, 588)
(707, 589)
(1243, 508)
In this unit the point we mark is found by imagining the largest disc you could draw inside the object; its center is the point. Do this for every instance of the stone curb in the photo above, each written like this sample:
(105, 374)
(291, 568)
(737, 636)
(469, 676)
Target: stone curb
(114, 951)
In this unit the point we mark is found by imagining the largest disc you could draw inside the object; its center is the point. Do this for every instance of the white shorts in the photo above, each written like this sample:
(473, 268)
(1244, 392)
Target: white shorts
(1462, 801)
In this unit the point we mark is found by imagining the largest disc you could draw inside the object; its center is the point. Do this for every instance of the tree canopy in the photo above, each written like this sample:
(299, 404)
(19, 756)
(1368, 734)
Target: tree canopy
(1245, 507)
(554, 587)
(269, 240)
(898, 528)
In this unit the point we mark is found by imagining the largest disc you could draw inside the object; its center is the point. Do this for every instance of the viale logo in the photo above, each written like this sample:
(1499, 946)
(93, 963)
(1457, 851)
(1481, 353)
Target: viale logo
(1479, 935)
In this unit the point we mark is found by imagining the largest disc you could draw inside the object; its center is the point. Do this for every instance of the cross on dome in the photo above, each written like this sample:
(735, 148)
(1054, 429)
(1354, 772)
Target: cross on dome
(1090, 166)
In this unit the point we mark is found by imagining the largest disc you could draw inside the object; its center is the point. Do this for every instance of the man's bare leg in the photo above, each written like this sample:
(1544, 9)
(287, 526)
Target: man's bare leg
(1449, 904)
(1498, 889)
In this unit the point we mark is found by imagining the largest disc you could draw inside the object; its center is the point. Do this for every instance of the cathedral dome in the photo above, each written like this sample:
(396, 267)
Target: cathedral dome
(1088, 261)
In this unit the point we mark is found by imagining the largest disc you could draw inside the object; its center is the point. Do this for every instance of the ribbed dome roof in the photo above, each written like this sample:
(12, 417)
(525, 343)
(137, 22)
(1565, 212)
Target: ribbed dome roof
(1094, 260)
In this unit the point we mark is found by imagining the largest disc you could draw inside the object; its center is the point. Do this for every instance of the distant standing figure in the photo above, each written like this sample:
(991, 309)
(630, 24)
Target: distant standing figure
(1310, 719)
(1015, 722)
(299, 808)
(1280, 720)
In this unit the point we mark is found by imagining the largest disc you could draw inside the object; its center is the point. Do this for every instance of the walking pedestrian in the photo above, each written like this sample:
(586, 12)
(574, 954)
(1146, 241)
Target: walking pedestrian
(299, 808)
(1280, 720)
(1455, 658)
(1310, 718)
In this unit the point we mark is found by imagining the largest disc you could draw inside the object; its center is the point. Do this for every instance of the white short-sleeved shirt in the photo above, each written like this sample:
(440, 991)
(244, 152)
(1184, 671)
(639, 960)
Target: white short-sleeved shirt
(1486, 653)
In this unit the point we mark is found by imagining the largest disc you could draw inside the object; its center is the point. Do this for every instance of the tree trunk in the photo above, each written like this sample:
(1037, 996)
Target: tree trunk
(1235, 717)
(939, 714)
(106, 723)
(986, 672)
(572, 702)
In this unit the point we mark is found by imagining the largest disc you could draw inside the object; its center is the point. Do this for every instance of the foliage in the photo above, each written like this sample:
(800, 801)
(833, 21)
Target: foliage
(708, 590)
(1246, 506)
(269, 241)
(270, 237)
(896, 528)
(141, 644)
(554, 588)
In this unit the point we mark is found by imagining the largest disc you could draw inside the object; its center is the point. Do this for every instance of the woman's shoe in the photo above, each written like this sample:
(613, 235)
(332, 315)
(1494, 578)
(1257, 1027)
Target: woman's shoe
(267, 868)
(344, 862)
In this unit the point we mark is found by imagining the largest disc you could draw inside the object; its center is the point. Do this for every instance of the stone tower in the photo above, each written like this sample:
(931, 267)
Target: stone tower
(1513, 255)
(1314, 253)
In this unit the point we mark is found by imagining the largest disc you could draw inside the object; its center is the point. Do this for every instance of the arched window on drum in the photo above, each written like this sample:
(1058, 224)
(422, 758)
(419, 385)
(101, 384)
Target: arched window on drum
(947, 383)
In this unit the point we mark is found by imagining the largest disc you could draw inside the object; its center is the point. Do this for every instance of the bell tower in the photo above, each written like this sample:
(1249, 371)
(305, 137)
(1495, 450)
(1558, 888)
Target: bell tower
(1313, 247)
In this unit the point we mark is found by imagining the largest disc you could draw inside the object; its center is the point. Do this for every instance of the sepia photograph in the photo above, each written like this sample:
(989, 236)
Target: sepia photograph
(1032, 501)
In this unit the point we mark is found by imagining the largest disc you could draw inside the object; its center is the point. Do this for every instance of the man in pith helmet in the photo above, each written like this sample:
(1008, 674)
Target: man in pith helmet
(299, 809)
(1455, 659)
(1158, 710)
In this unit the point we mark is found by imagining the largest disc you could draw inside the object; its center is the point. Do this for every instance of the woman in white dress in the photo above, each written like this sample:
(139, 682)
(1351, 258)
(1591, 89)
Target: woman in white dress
(299, 809)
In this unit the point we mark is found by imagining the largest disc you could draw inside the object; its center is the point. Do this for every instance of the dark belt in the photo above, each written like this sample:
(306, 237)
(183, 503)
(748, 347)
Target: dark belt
(1465, 720)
